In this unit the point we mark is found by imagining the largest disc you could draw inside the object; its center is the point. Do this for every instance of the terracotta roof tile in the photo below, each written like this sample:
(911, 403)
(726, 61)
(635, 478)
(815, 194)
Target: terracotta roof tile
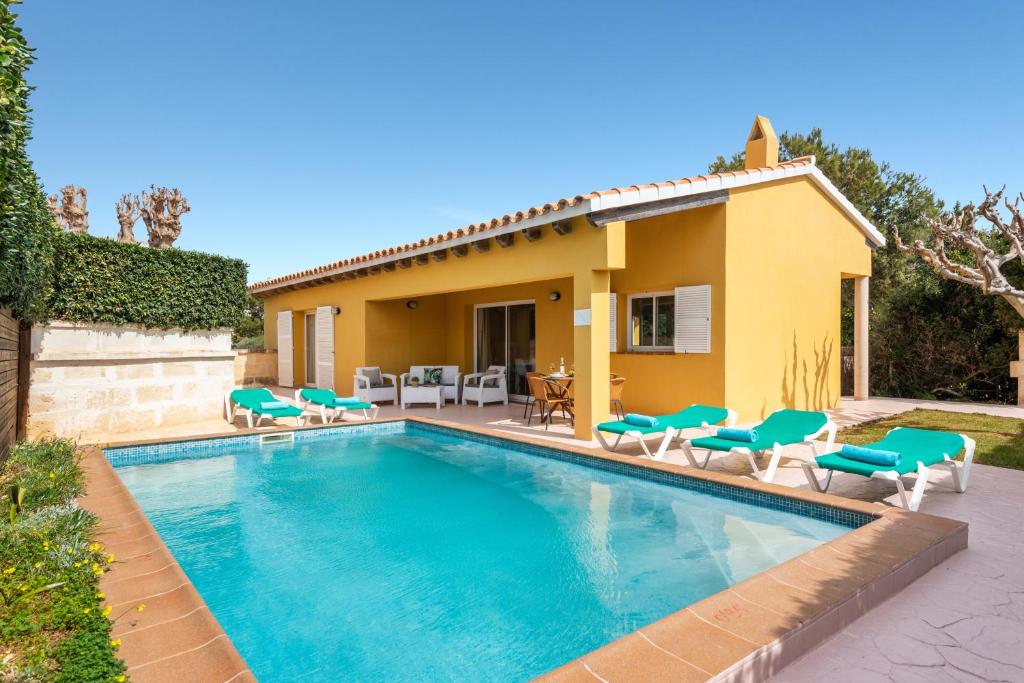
(636, 191)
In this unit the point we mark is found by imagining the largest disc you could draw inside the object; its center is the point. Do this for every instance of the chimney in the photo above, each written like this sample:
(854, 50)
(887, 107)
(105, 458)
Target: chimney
(762, 145)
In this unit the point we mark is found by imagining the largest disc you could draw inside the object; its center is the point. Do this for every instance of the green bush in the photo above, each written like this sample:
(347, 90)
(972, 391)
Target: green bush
(100, 280)
(52, 623)
(27, 230)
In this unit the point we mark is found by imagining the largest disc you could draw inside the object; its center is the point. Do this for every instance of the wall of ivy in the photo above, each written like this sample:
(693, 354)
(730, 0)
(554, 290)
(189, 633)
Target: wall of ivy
(100, 280)
(27, 230)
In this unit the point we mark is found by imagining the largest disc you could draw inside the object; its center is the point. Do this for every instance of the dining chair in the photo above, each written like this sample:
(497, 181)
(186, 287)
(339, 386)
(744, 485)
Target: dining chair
(529, 397)
(615, 395)
(549, 401)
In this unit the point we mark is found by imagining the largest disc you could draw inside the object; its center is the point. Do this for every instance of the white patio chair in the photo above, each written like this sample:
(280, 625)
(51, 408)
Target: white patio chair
(369, 385)
(486, 387)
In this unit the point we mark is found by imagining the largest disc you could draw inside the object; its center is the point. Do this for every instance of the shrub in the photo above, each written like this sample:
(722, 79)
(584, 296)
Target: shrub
(100, 280)
(27, 230)
(52, 624)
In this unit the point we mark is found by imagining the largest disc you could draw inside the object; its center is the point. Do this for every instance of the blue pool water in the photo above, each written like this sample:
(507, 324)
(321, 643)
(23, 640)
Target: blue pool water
(408, 554)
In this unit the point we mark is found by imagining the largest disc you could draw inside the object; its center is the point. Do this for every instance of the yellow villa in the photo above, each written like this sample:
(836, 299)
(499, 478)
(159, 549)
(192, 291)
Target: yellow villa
(720, 289)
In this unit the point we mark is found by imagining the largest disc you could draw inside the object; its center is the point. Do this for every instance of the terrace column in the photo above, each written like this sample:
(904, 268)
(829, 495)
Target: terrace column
(861, 391)
(590, 349)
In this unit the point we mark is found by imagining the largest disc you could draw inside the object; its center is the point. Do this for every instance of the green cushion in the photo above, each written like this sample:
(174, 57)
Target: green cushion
(318, 396)
(783, 426)
(913, 445)
(694, 416)
(250, 399)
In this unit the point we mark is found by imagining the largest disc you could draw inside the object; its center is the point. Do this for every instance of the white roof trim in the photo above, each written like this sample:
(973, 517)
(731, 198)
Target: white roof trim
(626, 197)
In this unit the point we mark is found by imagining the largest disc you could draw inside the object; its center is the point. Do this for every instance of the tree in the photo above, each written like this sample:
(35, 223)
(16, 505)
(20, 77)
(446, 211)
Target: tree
(162, 209)
(957, 230)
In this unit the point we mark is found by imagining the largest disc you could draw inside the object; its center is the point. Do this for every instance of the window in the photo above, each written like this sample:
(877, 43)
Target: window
(652, 321)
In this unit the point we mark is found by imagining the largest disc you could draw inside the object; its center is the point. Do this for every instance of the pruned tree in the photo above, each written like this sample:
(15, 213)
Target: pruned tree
(129, 209)
(957, 230)
(161, 210)
(70, 210)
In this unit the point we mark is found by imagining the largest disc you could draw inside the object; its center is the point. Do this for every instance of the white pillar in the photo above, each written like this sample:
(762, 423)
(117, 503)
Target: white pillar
(860, 339)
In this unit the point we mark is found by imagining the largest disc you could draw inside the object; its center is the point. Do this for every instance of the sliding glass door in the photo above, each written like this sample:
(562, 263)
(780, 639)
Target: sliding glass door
(506, 334)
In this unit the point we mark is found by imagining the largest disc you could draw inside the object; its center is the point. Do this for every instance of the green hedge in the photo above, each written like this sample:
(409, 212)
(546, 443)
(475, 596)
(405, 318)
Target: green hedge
(100, 280)
(27, 230)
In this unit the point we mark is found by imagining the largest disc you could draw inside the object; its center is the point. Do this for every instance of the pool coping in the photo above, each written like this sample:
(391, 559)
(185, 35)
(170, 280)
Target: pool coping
(750, 631)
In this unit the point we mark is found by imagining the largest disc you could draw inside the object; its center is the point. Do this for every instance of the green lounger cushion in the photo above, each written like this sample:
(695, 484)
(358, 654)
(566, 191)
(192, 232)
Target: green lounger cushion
(688, 418)
(783, 426)
(913, 445)
(250, 399)
(326, 397)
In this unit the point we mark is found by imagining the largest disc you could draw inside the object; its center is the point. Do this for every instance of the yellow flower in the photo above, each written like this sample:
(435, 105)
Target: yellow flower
(23, 587)
(106, 610)
(110, 558)
(120, 678)
(95, 567)
(46, 545)
(141, 607)
(37, 565)
(9, 570)
(86, 610)
(52, 475)
(76, 565)
(116, 642)
(94, 547)
(101, 595)
(70, 551)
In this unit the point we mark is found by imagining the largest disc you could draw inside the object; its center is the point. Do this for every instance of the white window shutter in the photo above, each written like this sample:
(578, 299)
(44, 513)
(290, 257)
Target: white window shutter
(693, 319)
(325, 347)
(285, 363)
(613, 322)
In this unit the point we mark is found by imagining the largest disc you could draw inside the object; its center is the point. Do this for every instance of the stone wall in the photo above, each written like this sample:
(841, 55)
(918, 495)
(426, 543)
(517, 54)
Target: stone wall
(92, 382)
(256, 368)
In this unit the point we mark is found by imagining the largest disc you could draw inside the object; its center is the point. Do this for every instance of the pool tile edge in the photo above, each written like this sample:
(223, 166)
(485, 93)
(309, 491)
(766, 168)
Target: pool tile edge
(167, 653)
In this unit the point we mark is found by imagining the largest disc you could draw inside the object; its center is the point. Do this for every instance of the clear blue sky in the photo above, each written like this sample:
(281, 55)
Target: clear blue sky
(304, 132)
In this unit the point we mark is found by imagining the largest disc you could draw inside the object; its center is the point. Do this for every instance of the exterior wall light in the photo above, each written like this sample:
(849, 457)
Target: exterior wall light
(555, 296)
(411, 304)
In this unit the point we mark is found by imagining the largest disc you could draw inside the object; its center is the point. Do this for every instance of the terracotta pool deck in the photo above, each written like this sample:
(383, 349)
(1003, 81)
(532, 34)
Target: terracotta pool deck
(960, 621)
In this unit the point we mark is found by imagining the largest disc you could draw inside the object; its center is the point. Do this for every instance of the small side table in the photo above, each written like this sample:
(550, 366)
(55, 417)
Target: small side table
(424, 393)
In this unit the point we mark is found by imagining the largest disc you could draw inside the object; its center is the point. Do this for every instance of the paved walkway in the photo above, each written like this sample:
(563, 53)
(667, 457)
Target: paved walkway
(963, 621)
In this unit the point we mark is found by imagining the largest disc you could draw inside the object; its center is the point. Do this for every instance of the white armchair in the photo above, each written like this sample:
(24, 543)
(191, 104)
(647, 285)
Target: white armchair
(450, 379)
(372, 385)
(485, 387)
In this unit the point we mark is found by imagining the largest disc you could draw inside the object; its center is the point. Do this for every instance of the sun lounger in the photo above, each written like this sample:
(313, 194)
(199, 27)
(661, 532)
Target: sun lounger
(782, 428)
(258, 402)
(919, 450)
(668, 426)
(331, 407)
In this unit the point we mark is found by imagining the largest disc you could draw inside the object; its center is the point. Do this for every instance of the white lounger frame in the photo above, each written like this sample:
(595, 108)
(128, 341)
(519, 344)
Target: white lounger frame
(768, 474)
(666, 442)
(328, 415)
(960, 474)
(231, 409)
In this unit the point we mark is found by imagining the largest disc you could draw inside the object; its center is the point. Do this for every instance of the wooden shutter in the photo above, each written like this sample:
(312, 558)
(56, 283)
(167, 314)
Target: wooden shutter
(693, 319)
(613, 322)
(325, 347)
(285, 362)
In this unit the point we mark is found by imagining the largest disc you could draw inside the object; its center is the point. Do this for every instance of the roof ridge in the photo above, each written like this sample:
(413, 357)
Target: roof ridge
(522, 215)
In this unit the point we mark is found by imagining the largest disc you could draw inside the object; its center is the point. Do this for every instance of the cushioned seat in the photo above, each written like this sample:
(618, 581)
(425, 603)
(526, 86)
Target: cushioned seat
(669, 425)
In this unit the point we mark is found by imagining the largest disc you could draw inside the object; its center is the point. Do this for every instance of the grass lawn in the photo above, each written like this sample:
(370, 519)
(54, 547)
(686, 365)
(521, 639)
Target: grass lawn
(1000, 439)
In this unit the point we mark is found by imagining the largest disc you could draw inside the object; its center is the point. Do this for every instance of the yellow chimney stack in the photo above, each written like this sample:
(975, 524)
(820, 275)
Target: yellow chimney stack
(762, 145)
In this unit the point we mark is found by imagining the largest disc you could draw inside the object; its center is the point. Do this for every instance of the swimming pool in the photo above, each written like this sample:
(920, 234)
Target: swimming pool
(403, 551)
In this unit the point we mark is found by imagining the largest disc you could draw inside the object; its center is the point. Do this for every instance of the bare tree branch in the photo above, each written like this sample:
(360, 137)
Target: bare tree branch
(957, 229)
